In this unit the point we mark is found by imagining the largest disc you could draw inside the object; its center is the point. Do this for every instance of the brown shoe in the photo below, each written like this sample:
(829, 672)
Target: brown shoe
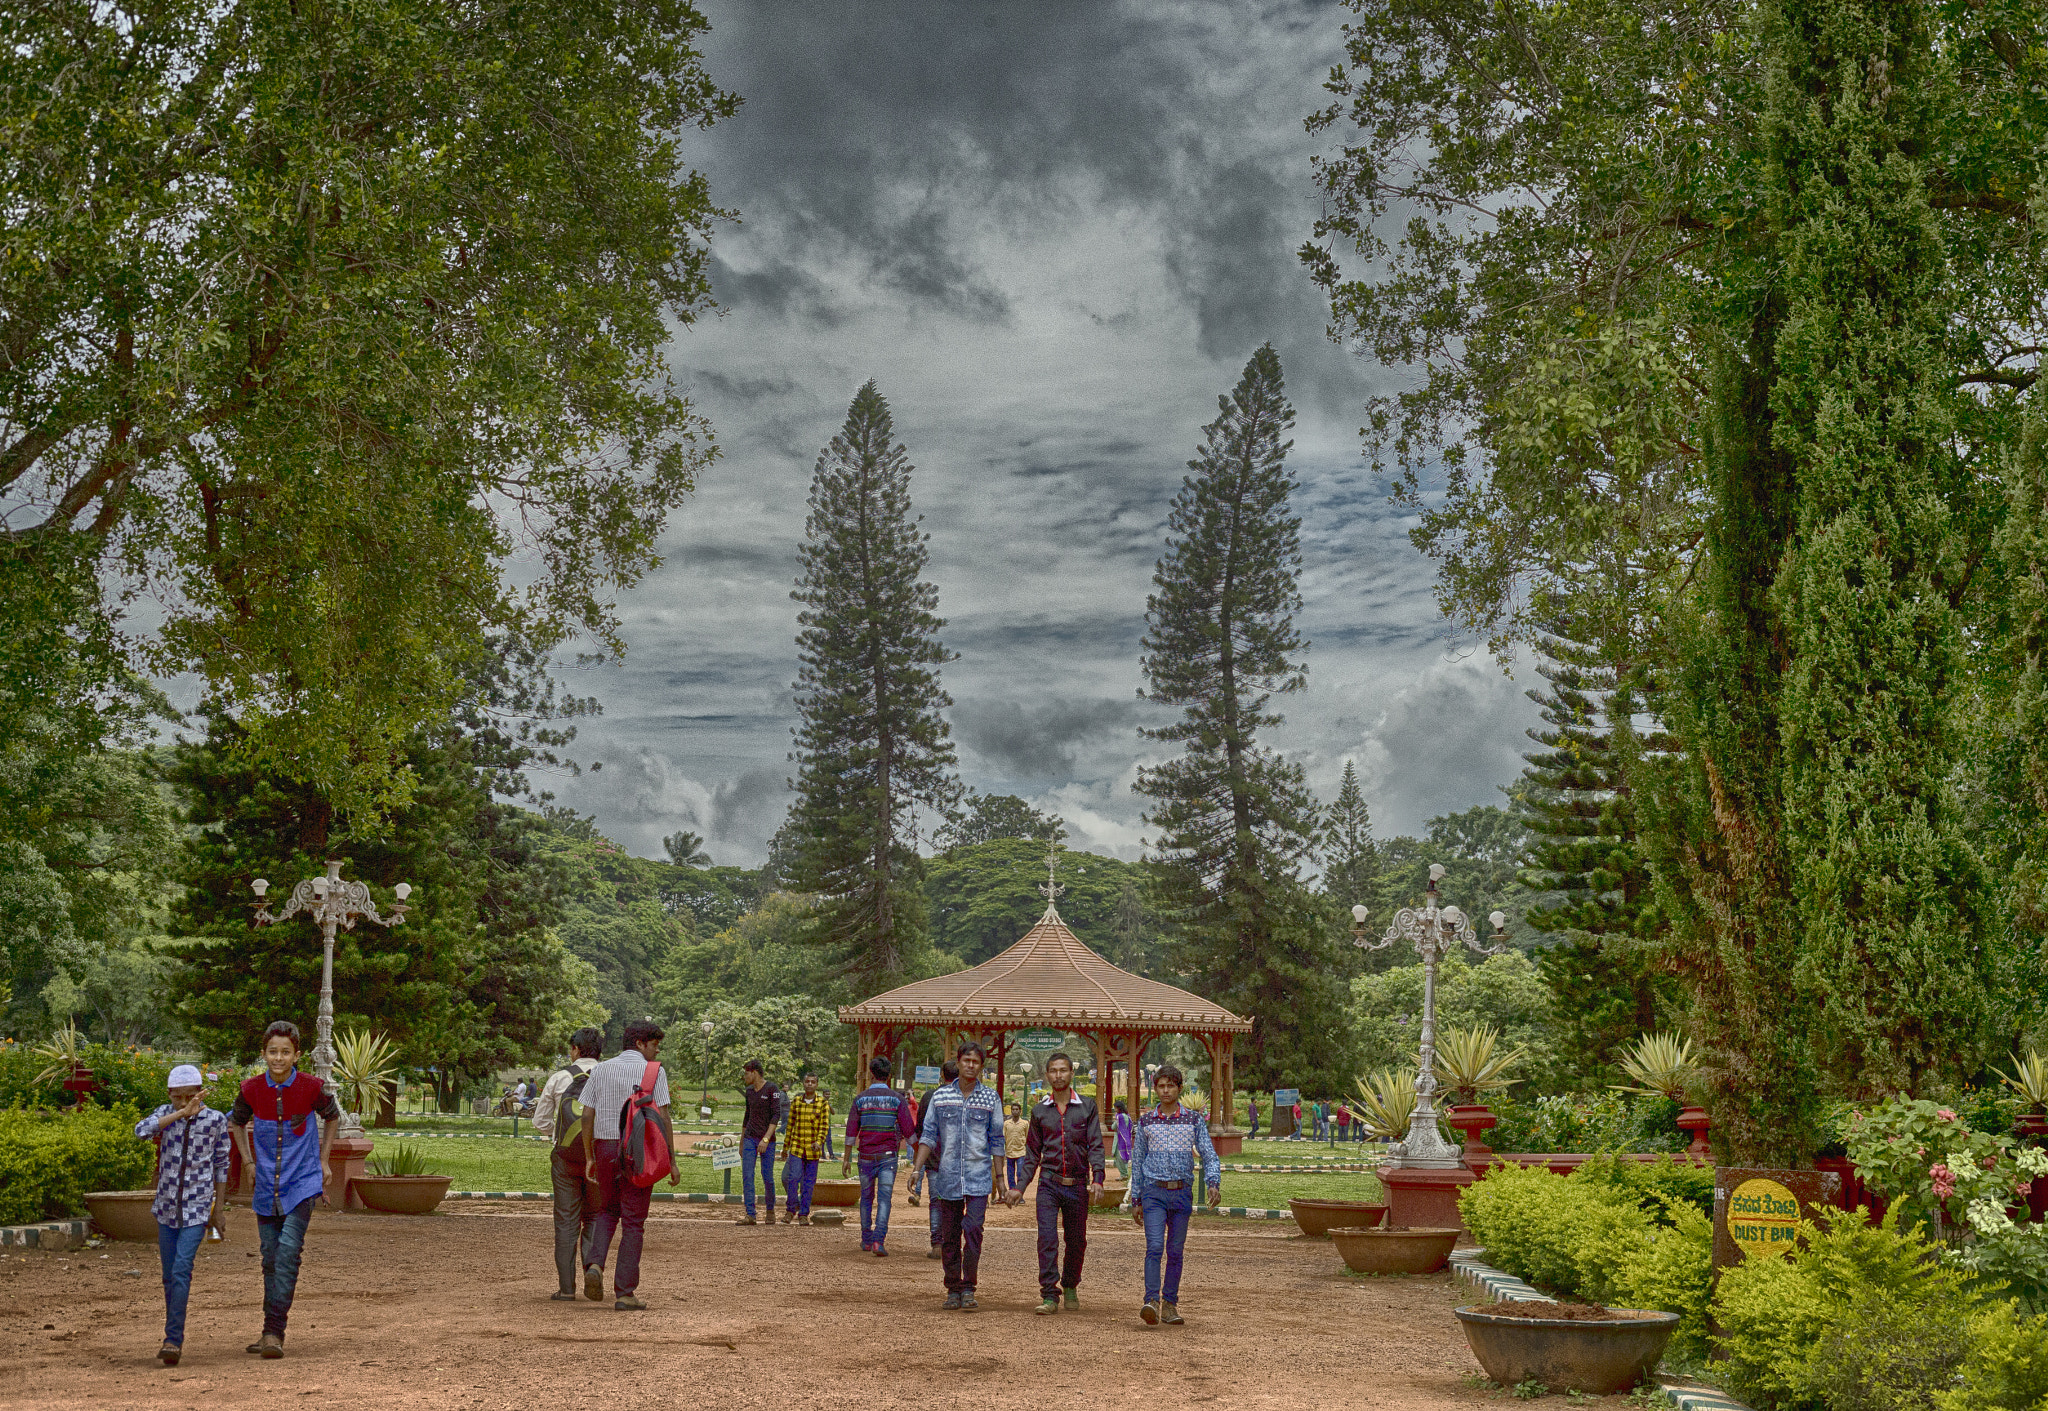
(169, 1353)
(593, 1282)
(1150, 1313)
(749, 1220)
(271, 1346)
(1170, 1313)
(803, 1219)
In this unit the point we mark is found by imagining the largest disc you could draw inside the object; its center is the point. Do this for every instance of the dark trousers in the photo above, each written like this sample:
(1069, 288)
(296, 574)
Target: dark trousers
(1166, 1232)
(572, 1220)
(1059, 1205)
(960, 1239)
(624, 1209)
(283, 1238)
(177, 1248)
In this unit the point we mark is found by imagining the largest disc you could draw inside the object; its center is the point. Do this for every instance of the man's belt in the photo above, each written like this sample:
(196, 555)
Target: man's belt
(1168, 1185)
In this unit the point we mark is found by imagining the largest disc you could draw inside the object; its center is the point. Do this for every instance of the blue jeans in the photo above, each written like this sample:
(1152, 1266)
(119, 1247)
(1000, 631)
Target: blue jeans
(877, 1192)
(753, 1151)
(798, 1180)
(177, 1248)
(1166, 1232)
(283, 1238)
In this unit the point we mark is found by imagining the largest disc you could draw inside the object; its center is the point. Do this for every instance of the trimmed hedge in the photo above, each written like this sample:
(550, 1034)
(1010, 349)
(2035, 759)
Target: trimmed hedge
(132, 1077)
(48, 1161)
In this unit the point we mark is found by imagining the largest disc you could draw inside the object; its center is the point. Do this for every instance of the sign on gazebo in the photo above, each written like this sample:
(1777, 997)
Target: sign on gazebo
(1038, 1040)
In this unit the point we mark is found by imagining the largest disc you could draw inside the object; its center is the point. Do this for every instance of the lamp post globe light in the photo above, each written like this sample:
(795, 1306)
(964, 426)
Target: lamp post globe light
(1433, 931)
(333, 905)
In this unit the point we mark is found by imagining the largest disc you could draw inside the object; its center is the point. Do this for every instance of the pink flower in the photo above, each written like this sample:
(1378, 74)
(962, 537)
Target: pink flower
(1944, 1180)
(1945, 1115)
(1989, 1163)
(2023, 1189)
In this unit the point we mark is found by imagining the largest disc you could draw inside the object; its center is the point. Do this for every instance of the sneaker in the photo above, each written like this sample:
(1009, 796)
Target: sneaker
(967, 1303)
(1073, 1301)
(803, 1219)
(593, 1282)
(565, 1296)
(270, 1346)
(1150, 1313)
(169, 1353)
(788, 1217)
(934, 1254)
(952, 1302)
(881, 1253)
(1170, 1313)
(1047, 1305)
(749, 1220)
(626, 1303)
(867, 1246)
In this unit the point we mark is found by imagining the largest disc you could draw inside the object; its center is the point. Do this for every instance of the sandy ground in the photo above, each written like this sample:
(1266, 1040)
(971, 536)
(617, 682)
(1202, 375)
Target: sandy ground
(453, 1311)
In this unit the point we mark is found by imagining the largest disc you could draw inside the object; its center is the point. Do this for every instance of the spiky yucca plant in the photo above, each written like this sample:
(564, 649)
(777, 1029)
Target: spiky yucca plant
(62, 1050)
(1659, 1063)
(1468, 1061)
(2029, 1077)
(1387, 1101)
(363, 1064)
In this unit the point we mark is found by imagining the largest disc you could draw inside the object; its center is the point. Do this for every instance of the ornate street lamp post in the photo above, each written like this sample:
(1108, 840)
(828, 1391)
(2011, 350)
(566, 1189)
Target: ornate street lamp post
(704, 1102)
(332, 903)
(1433, 931)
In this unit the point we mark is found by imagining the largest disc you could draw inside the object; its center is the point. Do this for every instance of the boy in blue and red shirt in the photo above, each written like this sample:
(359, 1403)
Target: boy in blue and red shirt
(287, 1152)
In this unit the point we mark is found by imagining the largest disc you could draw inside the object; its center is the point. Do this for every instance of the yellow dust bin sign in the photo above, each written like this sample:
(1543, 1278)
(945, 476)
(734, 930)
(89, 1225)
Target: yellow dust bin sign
(1763, 1217)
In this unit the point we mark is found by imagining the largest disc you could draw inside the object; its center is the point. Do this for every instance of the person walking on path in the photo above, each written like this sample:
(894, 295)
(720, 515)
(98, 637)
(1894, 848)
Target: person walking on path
(757, 1138)
(558, 1113)
(273, 1124)
(1063, 1148)
(194, 1143)
(1123, 1139)
(1015, 1131)
(964, 1125)
(1343, 1122)
(948, 1071)
(619, 1203)
(803, 1137)
(878, 1122)
(1297, 1119)
(1168, 1140)
(1253, 1107)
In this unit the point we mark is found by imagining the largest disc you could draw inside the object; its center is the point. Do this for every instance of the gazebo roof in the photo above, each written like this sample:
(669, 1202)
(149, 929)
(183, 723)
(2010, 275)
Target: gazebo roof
(1048, 978)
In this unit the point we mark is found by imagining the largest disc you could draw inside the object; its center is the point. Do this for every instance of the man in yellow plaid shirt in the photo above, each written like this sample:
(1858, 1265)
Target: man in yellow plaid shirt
(803, 1138)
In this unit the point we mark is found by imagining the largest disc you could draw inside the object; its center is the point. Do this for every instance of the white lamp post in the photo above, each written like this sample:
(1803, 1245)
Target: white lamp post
(332, 903)
(704, 1102)
(1433, 931)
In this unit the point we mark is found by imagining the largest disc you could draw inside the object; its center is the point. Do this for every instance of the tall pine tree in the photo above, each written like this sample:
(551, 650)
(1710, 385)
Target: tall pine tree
(1235, 820)
(1351, 861)
(1578, 810)
(873, 749)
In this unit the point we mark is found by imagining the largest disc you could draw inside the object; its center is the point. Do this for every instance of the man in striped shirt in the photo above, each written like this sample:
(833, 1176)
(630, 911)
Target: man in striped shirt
(803, 1140)
(1163, 1151)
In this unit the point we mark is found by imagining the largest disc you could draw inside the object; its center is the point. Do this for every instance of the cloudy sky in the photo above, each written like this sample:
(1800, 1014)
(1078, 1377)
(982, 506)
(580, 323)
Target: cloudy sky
(1053, 234)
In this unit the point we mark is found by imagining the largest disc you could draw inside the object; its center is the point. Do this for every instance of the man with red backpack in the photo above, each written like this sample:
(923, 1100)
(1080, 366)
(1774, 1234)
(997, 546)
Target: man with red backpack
(627, 1146)
(558, 1113)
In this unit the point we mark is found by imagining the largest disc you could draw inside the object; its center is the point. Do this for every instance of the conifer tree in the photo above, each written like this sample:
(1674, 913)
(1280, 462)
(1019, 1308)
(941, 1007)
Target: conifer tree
(873, 749)
(1235, 820)
(1578, 809)
(1351, 866)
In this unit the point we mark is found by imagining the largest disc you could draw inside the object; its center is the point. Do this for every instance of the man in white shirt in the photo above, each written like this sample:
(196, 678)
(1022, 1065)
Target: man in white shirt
(559, 1114)
(618, 1201)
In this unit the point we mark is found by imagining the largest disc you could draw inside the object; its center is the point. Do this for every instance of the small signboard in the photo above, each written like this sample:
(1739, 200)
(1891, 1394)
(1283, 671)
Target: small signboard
(928, 1074)
(1038, 1040)
(1286, 1097)
(725, 1158)
(1757, 1212)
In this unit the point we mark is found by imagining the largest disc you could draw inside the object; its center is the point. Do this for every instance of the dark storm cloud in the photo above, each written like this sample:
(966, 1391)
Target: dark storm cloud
(1037, 742)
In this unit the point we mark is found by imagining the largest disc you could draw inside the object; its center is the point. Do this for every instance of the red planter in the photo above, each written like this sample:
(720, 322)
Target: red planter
(1696, 1121)
(1473, 1121)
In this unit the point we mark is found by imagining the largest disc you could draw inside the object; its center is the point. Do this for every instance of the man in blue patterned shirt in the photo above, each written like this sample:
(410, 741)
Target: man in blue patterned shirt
(1163, 1151)
(964, 1125)
(193, 1145)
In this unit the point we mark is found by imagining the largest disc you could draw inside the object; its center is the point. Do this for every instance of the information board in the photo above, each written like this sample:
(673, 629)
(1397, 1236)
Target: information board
(928, 1074)
(1038, 1040)
(725, 1158)
(1286, 1097)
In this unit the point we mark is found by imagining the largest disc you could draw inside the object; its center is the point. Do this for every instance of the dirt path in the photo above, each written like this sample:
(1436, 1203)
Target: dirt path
(452, 1311)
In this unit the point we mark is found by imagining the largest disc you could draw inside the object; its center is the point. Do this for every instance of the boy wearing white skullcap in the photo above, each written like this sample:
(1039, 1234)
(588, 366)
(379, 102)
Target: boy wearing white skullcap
(193, 1145)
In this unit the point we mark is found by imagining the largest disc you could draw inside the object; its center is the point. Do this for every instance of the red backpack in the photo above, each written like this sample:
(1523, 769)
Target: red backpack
(646, 1146)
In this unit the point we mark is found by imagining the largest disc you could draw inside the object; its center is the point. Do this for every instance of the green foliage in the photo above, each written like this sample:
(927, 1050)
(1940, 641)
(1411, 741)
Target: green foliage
(1503, 992)
(615, 918)
(1351, 863)
(1858, 1317)
(873, 747)
(988, 817)
(401, 1159)
(369, 297)
(1664, 1189)
(128, 1077)
(983, 897)
(788, 1033)
(1675, 1274)
(766, 953)
(48, 1162)
(2007, 1366)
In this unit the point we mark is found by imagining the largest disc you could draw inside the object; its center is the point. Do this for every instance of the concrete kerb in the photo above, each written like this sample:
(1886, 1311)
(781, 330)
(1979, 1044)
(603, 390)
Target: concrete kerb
(50, 1234)
(1471, 1266)
(1228, 1212)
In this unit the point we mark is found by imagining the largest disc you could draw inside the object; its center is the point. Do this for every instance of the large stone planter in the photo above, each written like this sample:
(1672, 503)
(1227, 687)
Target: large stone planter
(836, 1191)
(402, 1195)
(1396, 1251)
(1596, 1358)
(1319, 1217)
(123, 1215)
(1111, 1195)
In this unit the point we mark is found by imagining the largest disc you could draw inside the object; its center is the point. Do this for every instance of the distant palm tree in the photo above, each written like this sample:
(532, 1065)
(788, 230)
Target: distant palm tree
(686, 850)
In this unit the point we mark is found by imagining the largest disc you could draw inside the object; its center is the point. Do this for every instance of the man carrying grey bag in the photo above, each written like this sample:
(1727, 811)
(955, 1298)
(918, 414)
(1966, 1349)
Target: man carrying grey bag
(559, 1114)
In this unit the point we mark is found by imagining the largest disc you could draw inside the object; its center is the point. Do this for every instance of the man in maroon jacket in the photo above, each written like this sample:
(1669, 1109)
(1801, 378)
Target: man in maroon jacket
(1064, 1146)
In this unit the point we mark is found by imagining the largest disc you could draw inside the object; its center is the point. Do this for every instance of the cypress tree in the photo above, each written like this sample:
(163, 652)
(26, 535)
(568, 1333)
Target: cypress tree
(1578, 809)
(1235, 820)
(1351, 864)
(872, 749)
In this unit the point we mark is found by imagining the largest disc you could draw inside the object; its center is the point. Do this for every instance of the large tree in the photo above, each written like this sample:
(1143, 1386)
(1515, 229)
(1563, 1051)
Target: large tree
(312, 316)
(1235, 820)
(874, 753)
(1351, 860)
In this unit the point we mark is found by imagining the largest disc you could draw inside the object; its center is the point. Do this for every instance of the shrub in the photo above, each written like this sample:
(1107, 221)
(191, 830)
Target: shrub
(132, 1077)
(2007, 1368)
(1578, 1122)
(48, 1161)
(1674, 1273)
(1661, 1187)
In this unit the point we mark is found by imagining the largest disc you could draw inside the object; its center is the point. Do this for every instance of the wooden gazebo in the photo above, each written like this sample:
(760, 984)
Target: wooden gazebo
(1049, 979)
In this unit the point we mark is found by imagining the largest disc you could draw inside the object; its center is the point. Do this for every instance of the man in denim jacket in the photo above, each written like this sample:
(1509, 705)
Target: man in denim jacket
(964, 1126)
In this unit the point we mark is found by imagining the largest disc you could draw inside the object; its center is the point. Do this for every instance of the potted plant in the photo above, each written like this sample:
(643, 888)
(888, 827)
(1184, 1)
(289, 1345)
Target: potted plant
(1662, 1065)
(67, 1065)
(2029, 1078)
(401, 1184)
(1572, 1347)
(1469, 1062)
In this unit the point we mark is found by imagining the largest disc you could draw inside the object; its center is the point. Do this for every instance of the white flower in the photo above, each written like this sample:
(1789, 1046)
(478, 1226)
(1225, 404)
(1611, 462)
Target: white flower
(2032, 1160)
(1987, 1218)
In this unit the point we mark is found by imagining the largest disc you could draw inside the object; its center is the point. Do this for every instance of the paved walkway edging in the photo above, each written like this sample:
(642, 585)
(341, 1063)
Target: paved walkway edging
(1230, 1212)
(1470, 1265)
(48, 1234)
